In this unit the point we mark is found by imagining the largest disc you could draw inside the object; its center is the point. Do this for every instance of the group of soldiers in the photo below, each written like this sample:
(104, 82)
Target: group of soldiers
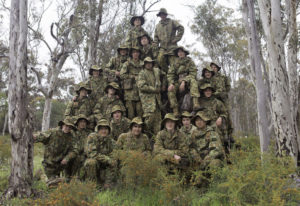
(120, 108)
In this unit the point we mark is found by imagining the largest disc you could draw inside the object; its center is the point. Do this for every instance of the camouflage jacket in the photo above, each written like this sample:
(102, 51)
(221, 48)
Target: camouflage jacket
(104, 106)
(58, 145)
(188, 132)
(127, 142)
(206, 145)
(166, 31)
(80, 138)
(99, 148)
(149, 89)
(132, 36)
(120, 127)
(149, 51)
(203, 81)
(76, 107)
(214, 108)
(182, 69)
(115, 64)
(97, 86)
(222, 86)
(129, 75)
(167, 145)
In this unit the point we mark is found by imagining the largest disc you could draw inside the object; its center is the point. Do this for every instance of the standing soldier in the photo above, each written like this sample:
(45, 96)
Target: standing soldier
(167, 33)
(81, 104)
(96, 82)
(135, 31)
(182, 75)
(149, 89)
(118, 124)
(103, 108)
(58, 149)
(79, 141)
(115, 64)
(187, 127)
(170, 145)
(99, 163)
(129, 74)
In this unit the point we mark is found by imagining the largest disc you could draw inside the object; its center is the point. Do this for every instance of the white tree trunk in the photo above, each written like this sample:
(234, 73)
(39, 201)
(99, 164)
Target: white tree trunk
(284, 123)
(255, 60)
(20, 128)
(46, 114)
(5, 124)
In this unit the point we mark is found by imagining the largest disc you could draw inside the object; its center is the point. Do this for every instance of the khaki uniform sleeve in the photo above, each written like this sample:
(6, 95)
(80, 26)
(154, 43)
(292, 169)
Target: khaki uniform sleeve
(180, 30)
(143, 84)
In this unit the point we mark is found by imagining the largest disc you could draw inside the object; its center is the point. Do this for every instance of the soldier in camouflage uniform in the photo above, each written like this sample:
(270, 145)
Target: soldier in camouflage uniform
(167, 33)
(187, 127)
(80, 138)
(147, 49)
(118, 124)
(99, 165)
(182, 75)
(105, 104)
(135, 139)
(58, 148)
(207, 76)
(149, 90)
(115, 64)
(96, 82)
(81, 104)
(222, 86)
(170, 146)
(136, 31)
(129, 74)
(215, 109)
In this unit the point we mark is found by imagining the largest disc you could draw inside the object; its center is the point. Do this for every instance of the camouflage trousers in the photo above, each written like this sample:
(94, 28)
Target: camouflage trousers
(192, 86)
(54, 170)
(164, 60)
(77, 166)
(134, 109)
(153, 121)
(96, 171)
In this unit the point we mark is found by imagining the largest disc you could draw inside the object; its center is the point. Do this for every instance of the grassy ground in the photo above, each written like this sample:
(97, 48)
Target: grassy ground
(246, 181)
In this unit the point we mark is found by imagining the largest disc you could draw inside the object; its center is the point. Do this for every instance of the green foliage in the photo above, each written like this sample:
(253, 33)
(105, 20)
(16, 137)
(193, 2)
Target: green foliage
(5, 154)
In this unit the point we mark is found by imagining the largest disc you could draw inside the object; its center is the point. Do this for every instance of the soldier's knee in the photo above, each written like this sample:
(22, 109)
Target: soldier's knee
(90, 163)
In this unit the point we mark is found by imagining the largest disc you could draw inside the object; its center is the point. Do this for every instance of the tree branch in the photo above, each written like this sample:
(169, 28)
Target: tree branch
(39, 36)
(40, 88)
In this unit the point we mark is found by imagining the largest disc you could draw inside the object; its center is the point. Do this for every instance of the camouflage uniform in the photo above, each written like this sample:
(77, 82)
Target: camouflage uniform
(105, 104)
(99, 165)
(118, 128)
(205, 80)
(166, 32)
(187, 132)
(147, 50)
(79, 140)
(129, 75)
(182, 69)
(58, 146)
(149, 90)
(114, 65)
(135, 31)
(96, 84)
(167, 145)
(80, 106)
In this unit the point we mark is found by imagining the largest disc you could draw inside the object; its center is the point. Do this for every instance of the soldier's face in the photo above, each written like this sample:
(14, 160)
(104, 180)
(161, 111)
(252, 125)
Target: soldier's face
(96, 73)
(123, 52)
(144, 41)
(66, 129)
(163, 16)
(117, 115)
(180, 53)
(186, 122)
(148, 65)
(200, 123)
(83, 92)
(103, 131)
(208, 92)
(136, 129)
(207, 74)
(135, 54)
(214, 68)
(137, 22)
(82, 124)
(170, 125)
(111, 91)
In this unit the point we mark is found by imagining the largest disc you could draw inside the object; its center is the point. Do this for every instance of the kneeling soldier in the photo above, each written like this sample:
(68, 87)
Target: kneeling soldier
(58, 148)
(99, 147)
(187, 127)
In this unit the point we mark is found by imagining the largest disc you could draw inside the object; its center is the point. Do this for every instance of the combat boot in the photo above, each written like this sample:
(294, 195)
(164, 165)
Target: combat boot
(196, 105)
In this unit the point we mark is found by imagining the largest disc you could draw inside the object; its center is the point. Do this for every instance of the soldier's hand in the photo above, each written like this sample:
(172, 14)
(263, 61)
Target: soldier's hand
(219, 121)
(182, 86)
(64, 162)
(74, 98)
(177, 157)
(171, 88)
(117, 73)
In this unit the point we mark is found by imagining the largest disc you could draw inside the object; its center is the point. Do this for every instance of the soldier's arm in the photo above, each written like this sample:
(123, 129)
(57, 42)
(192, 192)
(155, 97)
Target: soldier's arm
(98, 110)
(192, 70)
(160, 150)
(221, 109)
(110, 66)
(215, 147)
(180, 30)
(90, 148)
(43, 137)
(143, 84)
(72, 152)
(156, 39)
(124, 72)
(68, 111)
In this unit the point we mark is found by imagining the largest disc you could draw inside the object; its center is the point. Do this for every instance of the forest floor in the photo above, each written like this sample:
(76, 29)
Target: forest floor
(245, 181)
